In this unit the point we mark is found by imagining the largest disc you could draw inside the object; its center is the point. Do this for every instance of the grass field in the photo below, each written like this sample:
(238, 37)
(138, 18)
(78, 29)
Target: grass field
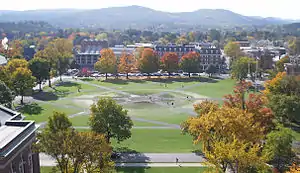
(159, 141)
(83, 121)
(39, 112)
(215, 90)
(147, 170)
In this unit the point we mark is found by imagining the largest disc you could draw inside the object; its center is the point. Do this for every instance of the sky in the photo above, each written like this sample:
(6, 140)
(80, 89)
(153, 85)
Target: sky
(287, 9)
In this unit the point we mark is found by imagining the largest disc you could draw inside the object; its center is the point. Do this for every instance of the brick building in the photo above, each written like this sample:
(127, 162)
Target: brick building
(16, 139)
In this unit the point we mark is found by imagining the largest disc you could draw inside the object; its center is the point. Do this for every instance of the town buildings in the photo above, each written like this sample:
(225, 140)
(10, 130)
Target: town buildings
(16, 140)
(89, 52)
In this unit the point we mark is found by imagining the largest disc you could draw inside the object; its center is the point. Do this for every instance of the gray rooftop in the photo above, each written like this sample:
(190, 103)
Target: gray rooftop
(13, 130)
(3, 60)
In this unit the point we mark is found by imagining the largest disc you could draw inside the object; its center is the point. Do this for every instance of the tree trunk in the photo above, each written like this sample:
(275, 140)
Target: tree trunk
(22, 99)
(40, 86)
(49, 82)
(127, 76)
(60, 77)
(105, 76)
(189, 75)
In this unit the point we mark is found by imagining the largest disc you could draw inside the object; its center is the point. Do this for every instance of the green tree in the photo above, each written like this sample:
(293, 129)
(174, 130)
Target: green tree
(148, 62)
(6, 95)
(294, 46)
(22, 80)
(39, 68)
(5, 76)
(190, 63)
(242, 66)
(110, 119)
(102, 36)
(280, 64)
(107, 63)
(232, 50)
(278, 147)
(211, 69)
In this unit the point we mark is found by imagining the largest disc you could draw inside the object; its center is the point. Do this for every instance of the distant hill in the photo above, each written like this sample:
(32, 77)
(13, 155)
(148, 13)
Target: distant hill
(135, 16)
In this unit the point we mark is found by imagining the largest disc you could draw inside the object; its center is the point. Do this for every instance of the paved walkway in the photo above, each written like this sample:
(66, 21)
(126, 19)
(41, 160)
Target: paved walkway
(145, 160)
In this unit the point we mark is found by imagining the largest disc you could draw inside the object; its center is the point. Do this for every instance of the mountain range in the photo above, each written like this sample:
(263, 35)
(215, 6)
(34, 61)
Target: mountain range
(136, 16)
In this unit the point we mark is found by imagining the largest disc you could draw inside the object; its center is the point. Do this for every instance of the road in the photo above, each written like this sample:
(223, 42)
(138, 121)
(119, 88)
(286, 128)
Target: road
(145, 159)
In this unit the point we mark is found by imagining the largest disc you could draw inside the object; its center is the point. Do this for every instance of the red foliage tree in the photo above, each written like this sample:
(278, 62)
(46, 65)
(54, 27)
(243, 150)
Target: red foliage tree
(170, 62)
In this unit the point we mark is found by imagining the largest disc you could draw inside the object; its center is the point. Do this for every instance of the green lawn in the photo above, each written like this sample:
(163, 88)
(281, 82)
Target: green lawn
(215, 90)
(83, 121)
(155, 112)
(159, 141)
(296, 135)
(42, 111)
(147, 170)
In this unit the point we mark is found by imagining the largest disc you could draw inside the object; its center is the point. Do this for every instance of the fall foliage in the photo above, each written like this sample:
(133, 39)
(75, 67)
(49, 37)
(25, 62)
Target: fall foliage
(232, 50)
(190, 62)
(107, 63)
(127, 64)
(149, 61)
(170, 62)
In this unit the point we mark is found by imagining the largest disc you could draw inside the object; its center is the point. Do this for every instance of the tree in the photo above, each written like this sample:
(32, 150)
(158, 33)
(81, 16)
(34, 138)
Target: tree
(54, 139)
(279, 147)
(230, 136)
(22, 80)
(170, 62)
(190, 62)
(283, 93)
(74, 151)
(294, 168)
(211, 69)
(107, 62)
(241, 68)
(5, 76)
(127, 64)
(110, 119)
(90, 152)
(232, 50)
(6, 95)
(294, 46)
(39, 68)
(13, 64)
(149, 61)
(16, 49)
(102, 36)
(280, 64)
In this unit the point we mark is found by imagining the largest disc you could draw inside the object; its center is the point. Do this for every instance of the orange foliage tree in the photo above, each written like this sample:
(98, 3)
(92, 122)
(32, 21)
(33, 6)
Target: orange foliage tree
(170, 62)
(190, 63)
(107, 63)
(127, 63)
(272, 85)
(149, 61)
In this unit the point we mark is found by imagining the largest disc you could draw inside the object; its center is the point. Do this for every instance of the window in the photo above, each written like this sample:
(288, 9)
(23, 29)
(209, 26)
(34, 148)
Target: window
(212, 51)
(30, 163)
(13, 168)
(180, 49)
(21, 165)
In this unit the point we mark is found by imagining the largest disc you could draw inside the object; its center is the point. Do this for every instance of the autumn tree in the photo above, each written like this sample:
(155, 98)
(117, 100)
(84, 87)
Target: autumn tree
(39, 68)
(149, 61)
(279, 66)
(279, 147)
(169, 62)
(5, 76)
(127, 64)
(242, 67)
(107, 63)
(190, 63)
(230, 136)
(13, 64)
(74, 151)
(15, 49)
(6, 95)
(283, 93)
(294, 46)
(110, 119)
(232, 49)
(22, 81)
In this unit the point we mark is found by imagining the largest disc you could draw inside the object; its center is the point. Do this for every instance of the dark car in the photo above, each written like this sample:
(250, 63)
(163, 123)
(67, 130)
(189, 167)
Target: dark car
(115, 155)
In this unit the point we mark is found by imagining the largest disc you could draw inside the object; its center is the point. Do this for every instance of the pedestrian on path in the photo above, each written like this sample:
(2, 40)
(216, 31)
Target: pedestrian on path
(177, 160)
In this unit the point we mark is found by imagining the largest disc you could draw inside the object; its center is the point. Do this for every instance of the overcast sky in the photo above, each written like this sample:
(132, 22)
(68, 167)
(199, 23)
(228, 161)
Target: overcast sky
(264, 8)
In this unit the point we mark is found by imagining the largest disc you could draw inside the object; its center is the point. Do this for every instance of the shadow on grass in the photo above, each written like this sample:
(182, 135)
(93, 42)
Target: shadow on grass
(123, 81)
(131, 169)
(198, 153)
(87, 79)
(46, 96)
(128, 155)
(67, 84)
(31, 109)
(192, 79)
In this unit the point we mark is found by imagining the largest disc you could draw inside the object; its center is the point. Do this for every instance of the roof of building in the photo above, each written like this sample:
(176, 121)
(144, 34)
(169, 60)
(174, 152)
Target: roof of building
(3, 60)
(14, 131)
